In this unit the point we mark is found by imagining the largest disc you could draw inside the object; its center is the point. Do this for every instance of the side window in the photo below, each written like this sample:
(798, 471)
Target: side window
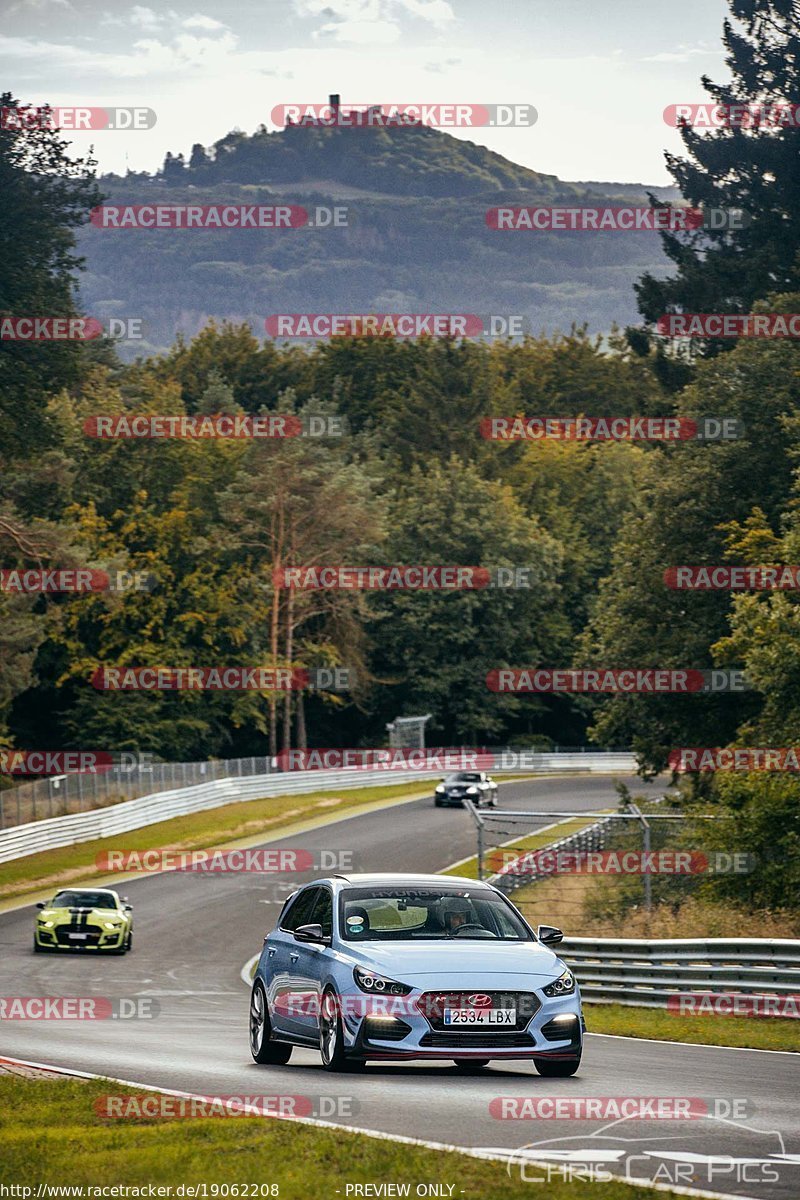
(300, 911)
(323, 912)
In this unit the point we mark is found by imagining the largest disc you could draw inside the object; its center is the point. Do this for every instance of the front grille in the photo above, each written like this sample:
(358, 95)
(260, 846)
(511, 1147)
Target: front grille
(433, 1004)
(478, 1039)
(63, 938)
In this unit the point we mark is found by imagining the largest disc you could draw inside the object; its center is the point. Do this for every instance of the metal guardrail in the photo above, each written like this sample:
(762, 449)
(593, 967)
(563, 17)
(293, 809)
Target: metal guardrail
(644, 973)
(138, 775)
(48, 834)
(52, 832)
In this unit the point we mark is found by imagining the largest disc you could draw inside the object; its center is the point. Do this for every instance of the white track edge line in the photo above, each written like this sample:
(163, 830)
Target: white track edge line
(378, 1135)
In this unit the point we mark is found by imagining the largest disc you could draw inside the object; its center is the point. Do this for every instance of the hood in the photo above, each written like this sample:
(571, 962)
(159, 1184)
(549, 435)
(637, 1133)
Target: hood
(405, 960)
(101, 914)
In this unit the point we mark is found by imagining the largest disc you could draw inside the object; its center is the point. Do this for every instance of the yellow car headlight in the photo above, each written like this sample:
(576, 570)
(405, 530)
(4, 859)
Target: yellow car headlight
(112, 924)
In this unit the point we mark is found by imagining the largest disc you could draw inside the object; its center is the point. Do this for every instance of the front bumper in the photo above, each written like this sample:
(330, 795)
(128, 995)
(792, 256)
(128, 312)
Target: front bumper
(48, 939)
(457, 800)
(554, 1031)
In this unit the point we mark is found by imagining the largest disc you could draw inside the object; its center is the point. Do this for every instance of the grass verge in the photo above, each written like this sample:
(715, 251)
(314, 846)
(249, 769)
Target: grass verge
(759, 1033)
(197, 831)
(302, 1161)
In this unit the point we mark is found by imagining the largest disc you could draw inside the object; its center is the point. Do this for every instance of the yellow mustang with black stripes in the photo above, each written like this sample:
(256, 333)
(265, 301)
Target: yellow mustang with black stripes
(95, 919)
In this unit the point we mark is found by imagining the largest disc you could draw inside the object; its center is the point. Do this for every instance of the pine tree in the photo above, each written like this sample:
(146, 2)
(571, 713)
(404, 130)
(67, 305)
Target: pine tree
(754, 169)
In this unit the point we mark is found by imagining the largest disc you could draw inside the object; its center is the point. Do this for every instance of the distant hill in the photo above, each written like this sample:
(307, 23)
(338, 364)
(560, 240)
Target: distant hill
(416, 238)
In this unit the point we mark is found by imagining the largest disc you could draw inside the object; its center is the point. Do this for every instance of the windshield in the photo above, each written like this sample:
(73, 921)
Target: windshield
(83, 900)
(425, 914)
(464, 777)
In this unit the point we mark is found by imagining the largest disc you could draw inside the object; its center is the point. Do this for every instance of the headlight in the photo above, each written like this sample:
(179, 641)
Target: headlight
(472, 791)
(562, 986)
(440, 788)
(379, 985)
(112, 924)
(46, 924)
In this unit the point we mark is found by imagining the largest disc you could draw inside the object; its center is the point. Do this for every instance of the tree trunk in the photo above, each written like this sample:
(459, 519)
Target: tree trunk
(302, 739)
(287, 704)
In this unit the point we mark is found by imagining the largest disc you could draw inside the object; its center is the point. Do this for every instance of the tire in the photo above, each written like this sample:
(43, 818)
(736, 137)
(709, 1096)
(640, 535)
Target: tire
(471, 1064)
(37, 949)
(437, 803)
(262, 1049)
(557, 1067)
(129, 943)
(331, 1039)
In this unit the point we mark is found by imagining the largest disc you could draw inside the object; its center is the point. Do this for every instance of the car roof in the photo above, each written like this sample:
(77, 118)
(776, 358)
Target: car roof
(395, 878)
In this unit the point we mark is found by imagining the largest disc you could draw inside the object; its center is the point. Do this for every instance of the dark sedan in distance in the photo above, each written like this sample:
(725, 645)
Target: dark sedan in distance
(476, 786)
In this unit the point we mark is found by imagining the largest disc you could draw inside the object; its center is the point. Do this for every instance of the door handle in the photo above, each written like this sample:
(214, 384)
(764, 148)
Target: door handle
(293, 957)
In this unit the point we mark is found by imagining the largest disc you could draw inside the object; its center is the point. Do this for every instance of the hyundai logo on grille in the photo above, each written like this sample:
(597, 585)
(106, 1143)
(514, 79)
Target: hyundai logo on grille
(480, 1000)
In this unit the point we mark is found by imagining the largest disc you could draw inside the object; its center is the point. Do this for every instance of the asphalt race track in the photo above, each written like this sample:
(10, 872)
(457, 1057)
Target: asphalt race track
(194, 933)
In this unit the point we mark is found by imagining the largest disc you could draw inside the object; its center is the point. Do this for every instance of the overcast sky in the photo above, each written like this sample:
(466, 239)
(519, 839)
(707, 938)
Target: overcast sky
(599, 72)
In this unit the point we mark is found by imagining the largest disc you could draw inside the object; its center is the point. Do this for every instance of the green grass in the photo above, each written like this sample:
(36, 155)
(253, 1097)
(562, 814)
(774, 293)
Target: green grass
(533, 841)
(51, 1134)
(760, 1033)
(214, 827)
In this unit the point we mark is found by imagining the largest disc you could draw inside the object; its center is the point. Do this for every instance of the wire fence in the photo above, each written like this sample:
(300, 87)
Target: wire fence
(602, 872)
(138, 775)
(60, 795)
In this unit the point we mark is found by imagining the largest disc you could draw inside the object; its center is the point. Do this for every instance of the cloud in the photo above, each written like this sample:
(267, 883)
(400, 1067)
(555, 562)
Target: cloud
(360, 33)
(684, 54)
(438, 12)
(371, 22)
(147, 57)
(145, 18)
(27, 6)
(199, 21)
(438, 68)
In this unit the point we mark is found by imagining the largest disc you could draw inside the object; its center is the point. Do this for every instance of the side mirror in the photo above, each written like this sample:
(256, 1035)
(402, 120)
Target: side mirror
(549, 936)
(311, 933)
(41, 904)
(128, 907)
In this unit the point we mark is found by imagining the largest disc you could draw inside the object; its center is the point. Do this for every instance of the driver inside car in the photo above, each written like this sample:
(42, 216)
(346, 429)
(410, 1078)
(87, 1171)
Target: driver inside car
(455, 912)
